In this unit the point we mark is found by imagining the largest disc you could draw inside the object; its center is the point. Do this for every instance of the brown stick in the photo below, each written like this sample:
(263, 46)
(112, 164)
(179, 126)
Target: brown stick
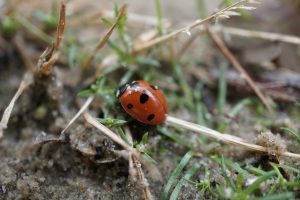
(50, 55)
(135, 167)
(91, 120)
(104, 39)
(239, 68)
(61, 25)
(151, 168)
(186, 29)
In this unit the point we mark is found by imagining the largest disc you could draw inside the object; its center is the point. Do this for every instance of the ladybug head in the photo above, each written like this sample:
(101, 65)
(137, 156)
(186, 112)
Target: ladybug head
(121, 90)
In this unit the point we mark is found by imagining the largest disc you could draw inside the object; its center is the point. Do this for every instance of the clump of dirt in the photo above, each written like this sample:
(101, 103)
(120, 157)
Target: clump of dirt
(274, 143)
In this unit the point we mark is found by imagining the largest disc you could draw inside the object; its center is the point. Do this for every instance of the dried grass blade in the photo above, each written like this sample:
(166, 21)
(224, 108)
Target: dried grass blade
(61, 26)
(82, 109)
(226, 138)
(104, 39)
(91, 120)
(139, 48)
(26, 81)
(257, 34)
(239, 68)
(50, 55)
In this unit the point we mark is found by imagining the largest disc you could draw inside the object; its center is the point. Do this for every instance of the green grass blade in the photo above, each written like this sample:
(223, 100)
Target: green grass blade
(283, 196)
(116, 48)
(292, 132)
(258, 181)
(291, 184)
(297, 171)
(174, 136)
(202, 8)
(237, 168)
(123, 135)
(256, 171)
(239, 106)
(224, 172)
(34, 29)
(187, 176)
(176, 173)
(222, 88)
(149, 158)
(158, 16)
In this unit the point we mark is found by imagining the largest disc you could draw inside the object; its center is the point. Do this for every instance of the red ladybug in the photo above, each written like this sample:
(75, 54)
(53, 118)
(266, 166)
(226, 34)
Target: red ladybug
(144, 102)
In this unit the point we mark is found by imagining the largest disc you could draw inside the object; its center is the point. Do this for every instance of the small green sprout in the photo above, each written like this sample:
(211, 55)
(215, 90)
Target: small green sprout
(112, 123)
(8, 26)
(49, 20)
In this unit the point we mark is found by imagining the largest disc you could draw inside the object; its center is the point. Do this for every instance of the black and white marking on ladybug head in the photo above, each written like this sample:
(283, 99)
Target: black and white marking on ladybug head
(154, 87)
(121, 90)
(134, 83)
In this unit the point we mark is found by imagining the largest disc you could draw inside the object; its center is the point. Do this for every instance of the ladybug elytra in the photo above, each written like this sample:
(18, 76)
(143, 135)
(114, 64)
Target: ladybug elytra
(144, 102)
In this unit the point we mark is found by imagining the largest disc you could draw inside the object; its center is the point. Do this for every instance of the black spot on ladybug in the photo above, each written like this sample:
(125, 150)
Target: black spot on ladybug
(129, 106)
(154, 87)
(144, 98)
(121, 90)
(150, 117)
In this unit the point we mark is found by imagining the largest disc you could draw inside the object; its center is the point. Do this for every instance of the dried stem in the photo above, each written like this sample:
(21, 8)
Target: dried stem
(82, 109)
(91, 120)
(226, 138)
(50, 55)
(61, 26)
(135, 169)
(143, 180)
(257, 34)
(150, 167)
(186, 29)
(26, 81)
(239, 68)
(104, 39)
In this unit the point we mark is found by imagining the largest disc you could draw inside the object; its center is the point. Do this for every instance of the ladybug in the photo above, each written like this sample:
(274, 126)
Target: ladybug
(144, 102)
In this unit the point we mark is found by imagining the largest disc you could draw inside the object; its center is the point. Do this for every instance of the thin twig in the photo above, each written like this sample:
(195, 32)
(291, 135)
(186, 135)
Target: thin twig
(143, 180)
(61, 25)
(186, 29)
(26, 81)
(226, 138)
(91, 120)
(239, 68)
(257, 34)
(134, 163)
(104, 39)
(50, 55)
(82, 109)
(155, 174)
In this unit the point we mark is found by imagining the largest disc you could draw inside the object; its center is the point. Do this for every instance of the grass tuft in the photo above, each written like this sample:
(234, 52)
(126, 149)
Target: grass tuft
(175, 174)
